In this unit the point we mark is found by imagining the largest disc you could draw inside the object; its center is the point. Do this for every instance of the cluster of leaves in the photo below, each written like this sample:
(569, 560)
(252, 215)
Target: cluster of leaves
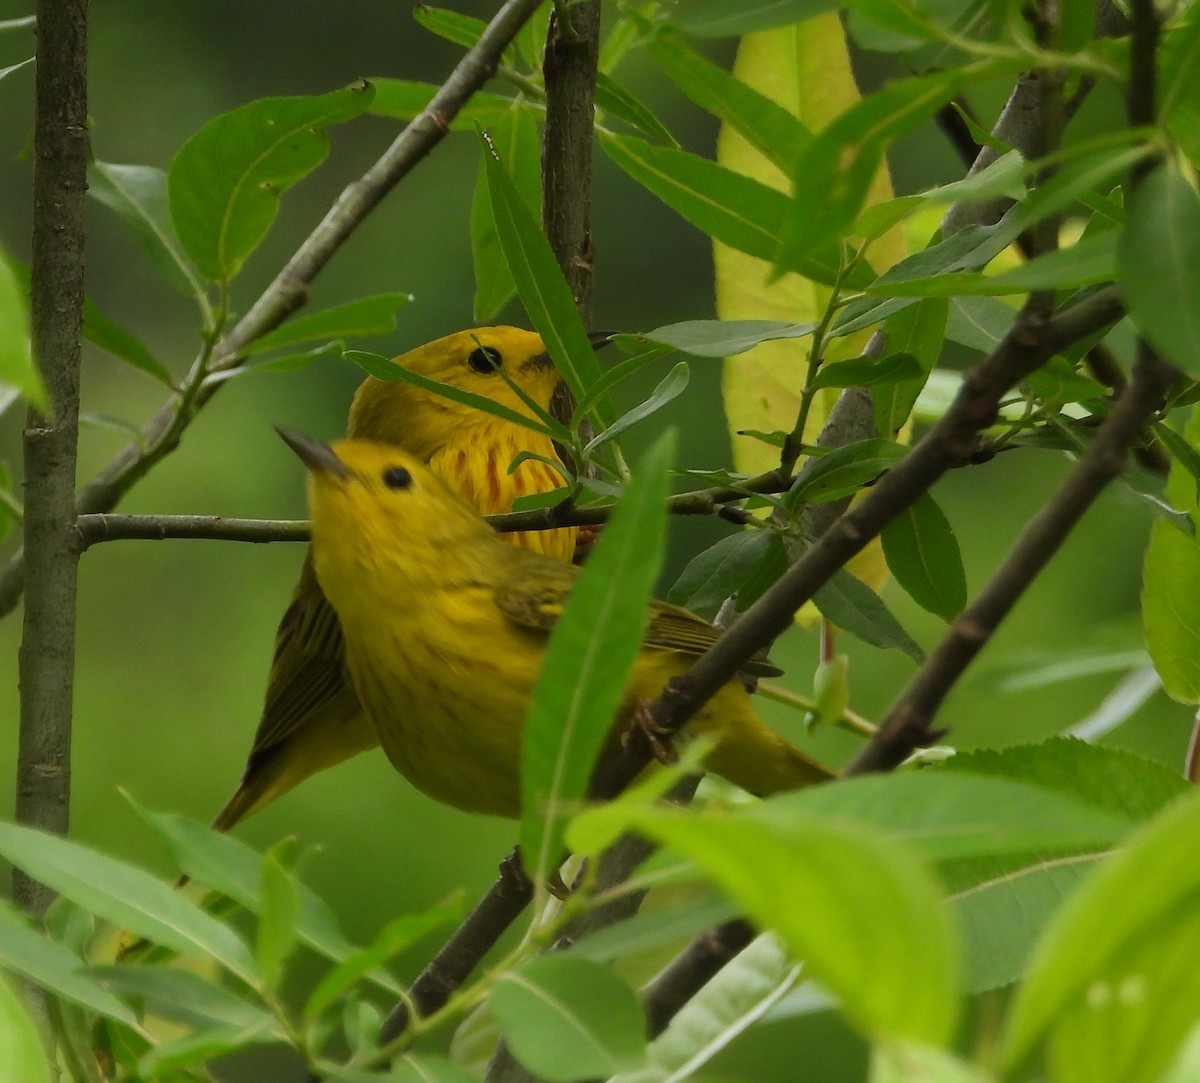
(904, 897)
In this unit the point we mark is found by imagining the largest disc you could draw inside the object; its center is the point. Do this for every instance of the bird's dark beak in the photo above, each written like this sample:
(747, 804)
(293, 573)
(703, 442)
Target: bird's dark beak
(598, 339)
(318, 457)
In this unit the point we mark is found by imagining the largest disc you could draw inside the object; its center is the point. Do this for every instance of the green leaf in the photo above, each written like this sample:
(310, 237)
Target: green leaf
(231, 867)
(1112, 988)
(16, 361)
(917, 332)
(588, 660)
(914, 1062)
(821, 884)
(766, 125)
(1171, 585)
(122, 343)
(226, 181)
(277, 915)
(669, 387)
(731, 208)
(127, 896)
(868, 371)
(978, 322)
(21, 1050)
(403, 99)
(167, 1058)
(857, 609)
(1159, 265)
(461, 29)
(922, 553)
(615, 100)
(384, 369)
(737, 996)
(182, 996)
(723, 338)
(834, 172)
(843, 471)
(394, 938)
(354, 319)
(568, 1019)
(720, 570)
(138, 195)
(46, 963)
(515, 137)
(733, 18)
(542, 288)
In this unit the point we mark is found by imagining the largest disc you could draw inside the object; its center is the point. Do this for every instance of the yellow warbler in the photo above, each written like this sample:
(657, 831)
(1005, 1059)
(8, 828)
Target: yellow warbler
(445, 629)
(311, 717)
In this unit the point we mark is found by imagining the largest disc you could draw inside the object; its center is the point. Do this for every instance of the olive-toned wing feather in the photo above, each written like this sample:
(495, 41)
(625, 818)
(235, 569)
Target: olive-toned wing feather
(671, 627)
(307, 669)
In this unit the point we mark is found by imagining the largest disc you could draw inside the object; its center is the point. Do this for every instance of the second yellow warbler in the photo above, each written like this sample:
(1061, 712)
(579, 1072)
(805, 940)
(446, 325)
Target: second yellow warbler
(311, 717)
(445, 632)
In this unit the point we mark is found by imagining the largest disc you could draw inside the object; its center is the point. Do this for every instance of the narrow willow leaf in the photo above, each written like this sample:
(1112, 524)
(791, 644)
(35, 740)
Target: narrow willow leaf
(277, 915)
(16, 360)
(51, 966)
(917, 332)
(766, 125)
(868, 371)
(229, 866)
(127, 896)
(20, 1044)
(724, 338)
(542, 289)
(567, 1019)
(843, 471)
(615, 100)
(182, 996)
(122, 343)
(515, 137)
(733, 18)
(226, 181)
(1112, 983)
(720, 570)
(979, 322)
(857, 609)
(384, 369)
(922, 553)
(167, 1058)
(403, 99)
(453, 26)
(670, 387)
(1171, 585)
(816, 881)
(742, 992)
(138, 195)
(397, 935)
(733, 209)
(588, 660)
(1160, 265)
(356, 319)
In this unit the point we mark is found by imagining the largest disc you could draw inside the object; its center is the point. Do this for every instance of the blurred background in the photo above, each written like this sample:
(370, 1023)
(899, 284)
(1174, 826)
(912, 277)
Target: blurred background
(175, 637)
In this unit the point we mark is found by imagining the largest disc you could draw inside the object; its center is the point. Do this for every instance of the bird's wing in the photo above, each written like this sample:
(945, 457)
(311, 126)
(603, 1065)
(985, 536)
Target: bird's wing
(537, 602)
(307, 668)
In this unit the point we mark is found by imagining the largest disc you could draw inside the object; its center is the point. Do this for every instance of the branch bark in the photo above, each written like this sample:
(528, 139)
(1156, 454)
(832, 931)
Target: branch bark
(47, 655)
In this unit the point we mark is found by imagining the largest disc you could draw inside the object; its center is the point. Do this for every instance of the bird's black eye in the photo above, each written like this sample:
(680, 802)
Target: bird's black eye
(396, 477)
(485, 360)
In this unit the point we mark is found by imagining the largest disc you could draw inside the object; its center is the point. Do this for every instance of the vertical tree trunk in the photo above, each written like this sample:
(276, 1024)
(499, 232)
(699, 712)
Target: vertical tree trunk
(47, 657)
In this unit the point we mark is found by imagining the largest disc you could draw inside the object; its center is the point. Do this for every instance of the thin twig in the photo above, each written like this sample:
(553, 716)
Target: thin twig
(289, 290)
(47, 656)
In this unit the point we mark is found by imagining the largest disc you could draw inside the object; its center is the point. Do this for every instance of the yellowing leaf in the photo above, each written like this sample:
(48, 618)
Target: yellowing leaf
(804, 68)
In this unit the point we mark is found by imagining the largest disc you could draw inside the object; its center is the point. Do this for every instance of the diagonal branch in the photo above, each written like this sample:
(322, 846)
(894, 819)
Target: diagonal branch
(289, 290)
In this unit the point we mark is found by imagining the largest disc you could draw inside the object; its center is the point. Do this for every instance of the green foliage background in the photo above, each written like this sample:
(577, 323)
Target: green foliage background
(175, 637)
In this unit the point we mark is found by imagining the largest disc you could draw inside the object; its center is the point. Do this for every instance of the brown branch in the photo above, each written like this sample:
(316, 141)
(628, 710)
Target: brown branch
(289, 290)
(47, 655)
(907, 725)
(1029, 343)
